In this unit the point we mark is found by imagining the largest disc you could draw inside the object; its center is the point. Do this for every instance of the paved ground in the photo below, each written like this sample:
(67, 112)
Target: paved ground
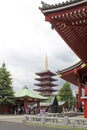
(14, 122)
(19, 126)
(12, 118)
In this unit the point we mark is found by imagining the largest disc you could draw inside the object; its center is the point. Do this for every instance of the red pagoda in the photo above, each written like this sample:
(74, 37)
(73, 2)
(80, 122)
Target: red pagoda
(46, 81)
(69, 19)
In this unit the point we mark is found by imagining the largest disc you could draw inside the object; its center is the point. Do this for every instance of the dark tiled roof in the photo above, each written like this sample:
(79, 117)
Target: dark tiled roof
(71, 67)
(47, 77)
(46, 72)
(46, 6)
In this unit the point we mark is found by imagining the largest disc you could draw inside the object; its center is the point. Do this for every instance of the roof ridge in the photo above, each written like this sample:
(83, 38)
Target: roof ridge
(46, 6)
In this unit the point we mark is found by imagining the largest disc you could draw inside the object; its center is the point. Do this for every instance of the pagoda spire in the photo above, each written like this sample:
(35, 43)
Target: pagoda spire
(46, 62)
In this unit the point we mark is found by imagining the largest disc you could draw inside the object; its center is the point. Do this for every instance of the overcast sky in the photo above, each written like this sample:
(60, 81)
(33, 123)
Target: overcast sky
(25, 38)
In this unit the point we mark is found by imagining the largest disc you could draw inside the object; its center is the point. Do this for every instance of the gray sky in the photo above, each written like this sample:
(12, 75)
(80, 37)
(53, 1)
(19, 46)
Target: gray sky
(25, 38)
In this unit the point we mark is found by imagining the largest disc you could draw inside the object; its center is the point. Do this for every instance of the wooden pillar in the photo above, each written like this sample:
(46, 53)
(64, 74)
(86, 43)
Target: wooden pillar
(26, 105)
(86, 89)
(79, 106)
(79, 95)
(38, 106)
(84, 99)
(85, 108)
(77, 100)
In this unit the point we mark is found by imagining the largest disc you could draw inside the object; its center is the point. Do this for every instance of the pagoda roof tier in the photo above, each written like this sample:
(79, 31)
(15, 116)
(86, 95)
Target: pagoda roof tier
(71, 74)
(47, 89)
(69, 19)
(48, 78)
(46, 72)
(46, 83)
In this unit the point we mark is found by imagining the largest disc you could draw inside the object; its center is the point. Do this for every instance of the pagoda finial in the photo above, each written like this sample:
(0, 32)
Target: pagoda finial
(46, 62)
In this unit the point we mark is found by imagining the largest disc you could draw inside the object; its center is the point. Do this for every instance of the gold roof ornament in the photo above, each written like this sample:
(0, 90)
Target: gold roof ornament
(46, 62)
(83, 65)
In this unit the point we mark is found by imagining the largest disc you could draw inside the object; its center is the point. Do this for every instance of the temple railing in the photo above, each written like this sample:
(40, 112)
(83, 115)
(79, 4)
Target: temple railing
(59, 121)
(63, 114)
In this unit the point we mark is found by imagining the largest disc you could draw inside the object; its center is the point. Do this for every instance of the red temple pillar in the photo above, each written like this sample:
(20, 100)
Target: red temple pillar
(85, 107)
(77, 100)
(86, 89)
(84, 99)
(79, 106)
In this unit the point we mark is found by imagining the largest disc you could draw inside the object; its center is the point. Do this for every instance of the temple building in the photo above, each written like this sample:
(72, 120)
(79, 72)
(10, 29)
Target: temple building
(25, 97)
(46, 81)
(75, 74)
(69, 19)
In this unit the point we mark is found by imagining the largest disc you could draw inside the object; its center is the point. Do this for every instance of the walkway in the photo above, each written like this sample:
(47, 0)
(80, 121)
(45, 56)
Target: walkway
(18, 126)
(12, 118)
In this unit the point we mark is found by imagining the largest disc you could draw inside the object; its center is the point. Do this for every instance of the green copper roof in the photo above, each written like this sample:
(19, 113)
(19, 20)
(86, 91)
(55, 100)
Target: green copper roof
(25, 92)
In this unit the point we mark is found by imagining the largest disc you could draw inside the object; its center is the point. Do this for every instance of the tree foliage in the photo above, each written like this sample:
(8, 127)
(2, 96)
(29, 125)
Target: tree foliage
(6, 89)
(66, 95)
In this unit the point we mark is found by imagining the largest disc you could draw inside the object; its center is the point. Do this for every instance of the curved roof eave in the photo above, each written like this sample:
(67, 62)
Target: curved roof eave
(71, 67)
(61, 8)
(71, 74)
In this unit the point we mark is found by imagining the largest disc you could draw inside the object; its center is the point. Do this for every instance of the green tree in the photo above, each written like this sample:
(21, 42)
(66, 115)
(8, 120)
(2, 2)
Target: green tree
(6, 89)
(74, 100)
(58, 98)
(66, 95)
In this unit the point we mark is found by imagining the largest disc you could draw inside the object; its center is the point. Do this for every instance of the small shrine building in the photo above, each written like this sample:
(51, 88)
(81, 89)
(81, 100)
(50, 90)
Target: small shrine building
(25, 97)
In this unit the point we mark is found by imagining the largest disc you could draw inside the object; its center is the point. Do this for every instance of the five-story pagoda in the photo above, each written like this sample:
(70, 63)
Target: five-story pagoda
(46, 81)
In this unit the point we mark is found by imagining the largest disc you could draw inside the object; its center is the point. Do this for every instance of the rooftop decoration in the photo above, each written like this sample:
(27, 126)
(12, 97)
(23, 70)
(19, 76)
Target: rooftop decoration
(46, 63)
